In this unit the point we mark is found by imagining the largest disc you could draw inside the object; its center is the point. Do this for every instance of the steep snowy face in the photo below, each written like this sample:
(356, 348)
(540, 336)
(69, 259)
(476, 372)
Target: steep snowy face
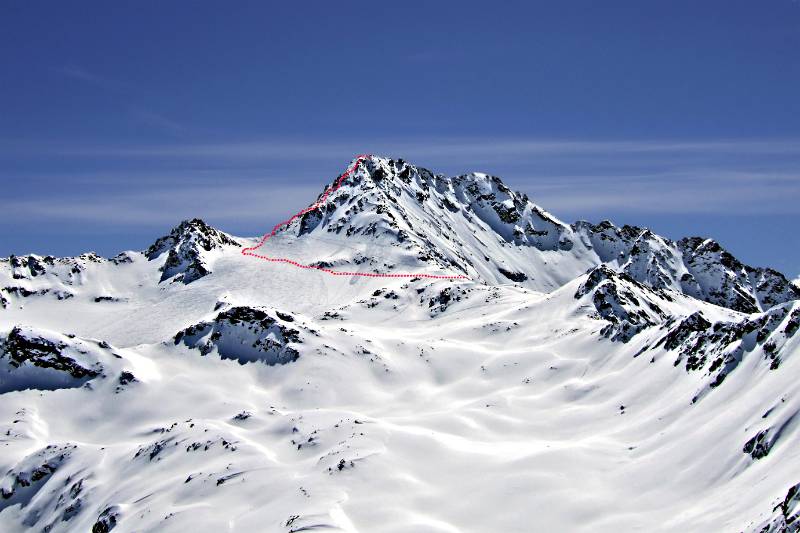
(190, 247)
(471, 224)
(717, 348)
(475, 225)
(625, 305)
(724, 280)
(697, 267)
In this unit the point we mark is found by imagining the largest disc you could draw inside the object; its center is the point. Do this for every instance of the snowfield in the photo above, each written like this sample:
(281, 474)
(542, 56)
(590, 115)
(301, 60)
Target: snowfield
(585, 378)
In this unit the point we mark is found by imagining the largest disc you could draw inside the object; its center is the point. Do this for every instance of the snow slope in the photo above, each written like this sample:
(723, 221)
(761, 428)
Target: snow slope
(585, 378)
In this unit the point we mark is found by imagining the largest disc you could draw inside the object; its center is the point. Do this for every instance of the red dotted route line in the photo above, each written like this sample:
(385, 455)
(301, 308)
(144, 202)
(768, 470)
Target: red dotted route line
(251, 251)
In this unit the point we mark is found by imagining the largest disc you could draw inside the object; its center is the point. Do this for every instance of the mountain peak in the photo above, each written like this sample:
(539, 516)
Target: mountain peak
(440, 220)
(188, 246)
(475, 224)
(301, 383)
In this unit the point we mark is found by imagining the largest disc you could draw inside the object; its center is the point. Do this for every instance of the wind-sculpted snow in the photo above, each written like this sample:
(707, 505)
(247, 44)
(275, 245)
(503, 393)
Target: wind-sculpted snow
(584, 378)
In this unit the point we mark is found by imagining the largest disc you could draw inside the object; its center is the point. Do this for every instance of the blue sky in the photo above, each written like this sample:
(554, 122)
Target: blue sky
(119, 119)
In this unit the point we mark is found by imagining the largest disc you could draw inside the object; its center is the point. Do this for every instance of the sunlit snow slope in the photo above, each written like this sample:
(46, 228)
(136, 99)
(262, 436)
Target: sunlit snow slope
(584, 378)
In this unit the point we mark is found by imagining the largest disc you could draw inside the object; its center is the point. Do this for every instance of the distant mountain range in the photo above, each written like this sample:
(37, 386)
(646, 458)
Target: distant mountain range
(585, 377)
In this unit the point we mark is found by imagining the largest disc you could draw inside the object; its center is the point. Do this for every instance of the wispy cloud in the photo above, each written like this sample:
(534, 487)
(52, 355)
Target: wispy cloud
(81, 74)
(127, 92)
(238, 182)
(168, 205)
(155, 120)
(702, 192)
(158, 199)
(435, 148)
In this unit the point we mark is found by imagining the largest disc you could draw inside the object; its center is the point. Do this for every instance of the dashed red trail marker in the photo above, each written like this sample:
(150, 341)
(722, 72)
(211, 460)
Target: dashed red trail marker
(251, 251)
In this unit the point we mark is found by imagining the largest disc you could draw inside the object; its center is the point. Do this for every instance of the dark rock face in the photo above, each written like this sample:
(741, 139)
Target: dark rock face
(184, 247)
(455, 224)
(720, 347)
(680, 335)
(435, 298)
(31, 266)
(21, 483)
(126, 377)
(245, 334)
(22, 292)
(123, 258)
(34, 276)
(790, 508)
(107, 520)
(759, 446)
(513, 276)
(785, 516)
(22, 348)
(628, 306)
(697, 267)
(414, 208)
(733, 284)
(639, 253)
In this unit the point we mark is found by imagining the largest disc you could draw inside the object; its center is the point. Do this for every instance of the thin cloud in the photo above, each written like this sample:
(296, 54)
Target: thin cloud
(156, 120)
(230, 182)
(81, 74)
(695, 191)
(137, 114)
(437, 149)
(703, 198)
(166, 206)
(244, 200)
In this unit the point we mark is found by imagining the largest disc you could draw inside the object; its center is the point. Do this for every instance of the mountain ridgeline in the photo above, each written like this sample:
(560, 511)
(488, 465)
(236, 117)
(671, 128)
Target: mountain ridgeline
(581, 377)
(475, 225)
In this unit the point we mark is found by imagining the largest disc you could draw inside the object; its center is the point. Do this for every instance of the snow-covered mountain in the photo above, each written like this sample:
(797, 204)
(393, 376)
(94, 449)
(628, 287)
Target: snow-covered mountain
(585, 377)
(475, 225)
